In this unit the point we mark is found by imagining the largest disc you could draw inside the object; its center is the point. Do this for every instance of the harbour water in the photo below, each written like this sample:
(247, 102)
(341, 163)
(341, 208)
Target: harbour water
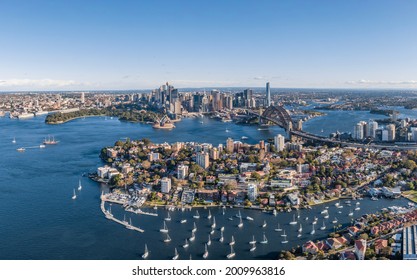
(41, 221)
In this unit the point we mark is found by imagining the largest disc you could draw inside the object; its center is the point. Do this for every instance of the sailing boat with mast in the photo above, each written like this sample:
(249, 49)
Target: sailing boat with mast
(253, 248)
(293, 222)
(209, 240)
(221, 237)
(232, 253)
(285, 240)
(240, 221)
(192, 238)
(209, 214)
(186, 244)
(129, 225)
(284, 234)
(232, 242)
(167, 238)
(164, 229)
(313, 231)
(253, 241)
(74, 196)
(168, 217)
(176, 255)
(197, 215)
(205, 255)
(213, 225)
(278, 228)
(194, 228)
(146, 253)
(264, 240)
(323, 227)
(79, 185)
(264, 224)
(301, 228)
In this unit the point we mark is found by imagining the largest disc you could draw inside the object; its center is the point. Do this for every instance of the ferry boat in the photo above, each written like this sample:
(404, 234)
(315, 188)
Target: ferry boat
(146, 253)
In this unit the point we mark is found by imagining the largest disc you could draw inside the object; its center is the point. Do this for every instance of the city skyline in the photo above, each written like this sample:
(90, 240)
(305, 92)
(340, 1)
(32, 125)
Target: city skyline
(109, 45)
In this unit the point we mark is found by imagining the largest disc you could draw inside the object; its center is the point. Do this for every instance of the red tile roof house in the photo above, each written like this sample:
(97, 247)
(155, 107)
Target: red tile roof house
(322, 245)
(354, 230)
(310, 247)
(333, 243)
(360, 248)
(379, 245)
(348, 255)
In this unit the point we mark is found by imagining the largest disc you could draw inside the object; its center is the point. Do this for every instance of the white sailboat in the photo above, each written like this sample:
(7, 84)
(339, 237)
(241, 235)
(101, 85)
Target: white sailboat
(232, 242)
(278, 228)
(197, 215)
(357, 208)
(79, 185)
(164, 229)
(205, 255)
(301, 228)
(183, 221)
(334, 221)
(274, 212)
(146, 253)
(192, 238)
(222, 229)
(239, 215)
(167, 238)
(264, 240)
(264, 224)
(209, 215)
(74, 196)
(194, 228)
(213, 225)
(285, 240)
(351, 212)
(313, 231)
(299, 235)
(108, 211)
(221, 237)
(168, 217)
(240, 222)
(232, 253)
(253, 248)
(315, 221)
(283, 234)
(293, 222)
(14, 140)
(253, 241)
(176, 255)
(186, 244)
(323, 227)
(209, 241)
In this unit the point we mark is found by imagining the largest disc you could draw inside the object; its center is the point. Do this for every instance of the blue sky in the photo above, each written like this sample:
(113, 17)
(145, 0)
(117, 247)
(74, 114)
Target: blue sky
(70, 45)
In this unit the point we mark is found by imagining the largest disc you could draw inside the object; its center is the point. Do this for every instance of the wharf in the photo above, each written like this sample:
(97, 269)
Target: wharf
(116, 220)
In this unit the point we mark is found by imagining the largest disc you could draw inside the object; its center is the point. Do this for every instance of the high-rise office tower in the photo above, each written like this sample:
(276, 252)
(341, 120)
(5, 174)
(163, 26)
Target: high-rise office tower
(268, 95)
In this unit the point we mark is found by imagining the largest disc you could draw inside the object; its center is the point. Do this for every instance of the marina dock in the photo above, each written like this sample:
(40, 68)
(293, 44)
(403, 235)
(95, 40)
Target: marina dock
(116, 220)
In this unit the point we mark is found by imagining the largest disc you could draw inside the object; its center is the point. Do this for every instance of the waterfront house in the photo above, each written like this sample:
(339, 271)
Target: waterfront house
(310, 247)
(347, 255)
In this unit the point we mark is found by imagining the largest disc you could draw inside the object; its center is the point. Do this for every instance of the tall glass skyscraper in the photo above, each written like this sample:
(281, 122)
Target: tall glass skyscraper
(268, 95)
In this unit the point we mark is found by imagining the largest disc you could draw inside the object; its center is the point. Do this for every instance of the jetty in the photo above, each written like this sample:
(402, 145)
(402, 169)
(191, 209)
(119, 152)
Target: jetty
(110, 217)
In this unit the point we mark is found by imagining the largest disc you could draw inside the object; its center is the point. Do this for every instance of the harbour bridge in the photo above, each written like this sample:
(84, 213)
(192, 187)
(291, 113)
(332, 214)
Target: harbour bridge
(279, 115)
